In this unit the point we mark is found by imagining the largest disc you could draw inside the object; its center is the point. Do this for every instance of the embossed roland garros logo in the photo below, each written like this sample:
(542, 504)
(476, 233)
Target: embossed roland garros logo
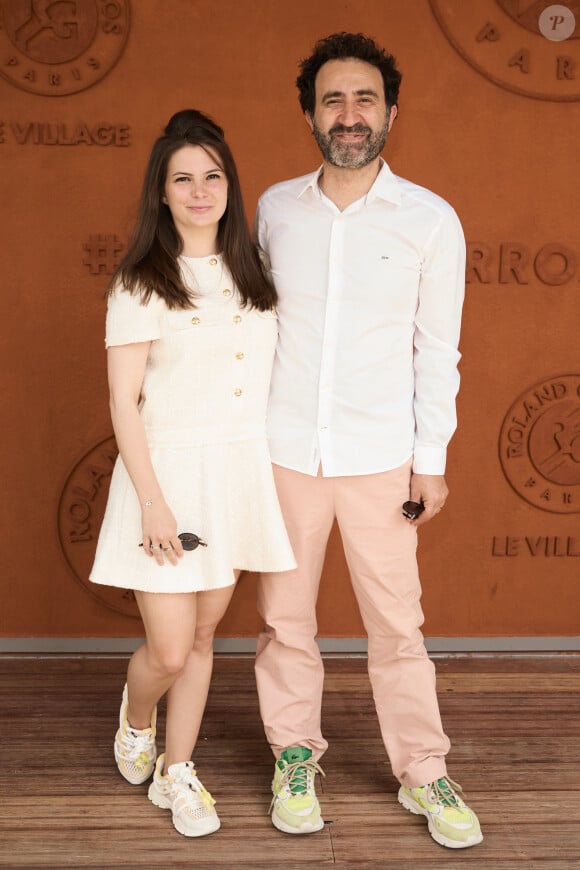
(80, 513)
(59, 47)
(539, 445)
(503, 41)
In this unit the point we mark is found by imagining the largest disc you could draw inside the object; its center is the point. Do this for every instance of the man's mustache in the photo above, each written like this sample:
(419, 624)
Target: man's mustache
(341, 128)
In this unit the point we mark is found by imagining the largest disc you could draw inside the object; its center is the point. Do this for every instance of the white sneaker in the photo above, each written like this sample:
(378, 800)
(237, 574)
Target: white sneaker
(135, 751)
(180, 791)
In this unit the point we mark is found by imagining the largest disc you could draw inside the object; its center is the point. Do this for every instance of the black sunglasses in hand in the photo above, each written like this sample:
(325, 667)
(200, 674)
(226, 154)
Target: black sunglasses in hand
(412, 510)
(189, 541)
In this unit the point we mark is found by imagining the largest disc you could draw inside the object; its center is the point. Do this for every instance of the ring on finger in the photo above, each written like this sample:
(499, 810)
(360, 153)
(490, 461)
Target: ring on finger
(152, 547)
(166, 548)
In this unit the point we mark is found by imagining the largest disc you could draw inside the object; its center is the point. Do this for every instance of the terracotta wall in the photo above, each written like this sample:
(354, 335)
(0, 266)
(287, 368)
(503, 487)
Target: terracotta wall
(489, 118)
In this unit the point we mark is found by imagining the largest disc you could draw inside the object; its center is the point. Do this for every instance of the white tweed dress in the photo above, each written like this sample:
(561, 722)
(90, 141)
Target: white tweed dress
(203, 405)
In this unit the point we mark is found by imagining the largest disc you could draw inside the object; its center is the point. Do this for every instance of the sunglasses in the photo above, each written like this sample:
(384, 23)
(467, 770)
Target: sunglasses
(189, 541)
(412, 510)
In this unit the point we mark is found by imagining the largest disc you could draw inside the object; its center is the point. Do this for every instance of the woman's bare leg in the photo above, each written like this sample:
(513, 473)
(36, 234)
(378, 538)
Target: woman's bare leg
(169, 622)
(187, 697)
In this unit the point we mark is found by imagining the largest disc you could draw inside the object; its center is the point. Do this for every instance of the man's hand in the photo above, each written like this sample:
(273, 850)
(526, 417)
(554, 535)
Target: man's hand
(432, 490)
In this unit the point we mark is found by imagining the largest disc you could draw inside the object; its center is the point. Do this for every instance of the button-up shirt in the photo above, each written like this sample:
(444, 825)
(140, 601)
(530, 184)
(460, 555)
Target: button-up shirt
(369, 308)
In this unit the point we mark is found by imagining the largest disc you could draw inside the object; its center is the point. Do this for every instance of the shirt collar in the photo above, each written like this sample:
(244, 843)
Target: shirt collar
(311, 183)
(385, 185)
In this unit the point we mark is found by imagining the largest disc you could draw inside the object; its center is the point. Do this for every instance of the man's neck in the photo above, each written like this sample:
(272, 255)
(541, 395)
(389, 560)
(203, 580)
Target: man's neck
(345, 186)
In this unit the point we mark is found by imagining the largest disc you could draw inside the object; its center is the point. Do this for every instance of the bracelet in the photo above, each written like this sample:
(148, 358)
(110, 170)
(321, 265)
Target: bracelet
(148, 503)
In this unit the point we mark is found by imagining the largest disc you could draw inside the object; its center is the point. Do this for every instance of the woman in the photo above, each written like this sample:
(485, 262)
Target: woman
(191, 332)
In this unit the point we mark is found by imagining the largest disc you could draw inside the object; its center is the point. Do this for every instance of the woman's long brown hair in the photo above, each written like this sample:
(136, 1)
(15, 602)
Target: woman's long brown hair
(150, 264)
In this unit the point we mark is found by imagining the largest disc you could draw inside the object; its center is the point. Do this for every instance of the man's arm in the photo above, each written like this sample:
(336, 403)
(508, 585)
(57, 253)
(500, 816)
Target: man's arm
(437, 327)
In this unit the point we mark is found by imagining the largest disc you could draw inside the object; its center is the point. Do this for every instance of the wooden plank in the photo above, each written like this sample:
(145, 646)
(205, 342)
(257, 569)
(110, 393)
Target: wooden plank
(514, 725)
(471, 683)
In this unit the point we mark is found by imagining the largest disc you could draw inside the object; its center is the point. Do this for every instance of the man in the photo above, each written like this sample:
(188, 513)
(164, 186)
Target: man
(369, 270)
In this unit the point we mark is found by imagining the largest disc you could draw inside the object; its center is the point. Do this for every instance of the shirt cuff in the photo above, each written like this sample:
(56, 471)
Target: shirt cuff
(429, 460)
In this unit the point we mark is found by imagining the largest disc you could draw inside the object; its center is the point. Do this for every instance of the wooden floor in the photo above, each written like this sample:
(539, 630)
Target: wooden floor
(514, 724)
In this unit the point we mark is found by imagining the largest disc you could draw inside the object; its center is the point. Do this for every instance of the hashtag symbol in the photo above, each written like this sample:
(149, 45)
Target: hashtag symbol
(102, 254)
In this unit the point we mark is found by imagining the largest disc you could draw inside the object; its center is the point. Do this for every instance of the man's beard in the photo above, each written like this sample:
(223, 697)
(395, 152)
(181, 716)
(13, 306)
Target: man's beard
(353, 155)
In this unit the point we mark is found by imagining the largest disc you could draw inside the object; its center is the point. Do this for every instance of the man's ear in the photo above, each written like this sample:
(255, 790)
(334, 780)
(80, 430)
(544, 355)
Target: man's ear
(392, 115)
(309, 120)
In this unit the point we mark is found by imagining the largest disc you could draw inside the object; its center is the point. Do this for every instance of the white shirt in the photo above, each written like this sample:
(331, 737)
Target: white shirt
(369, 308)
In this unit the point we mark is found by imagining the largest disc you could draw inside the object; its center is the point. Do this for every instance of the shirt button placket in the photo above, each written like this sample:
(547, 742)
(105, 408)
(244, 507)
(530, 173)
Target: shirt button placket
(330, 339)
(239, 368)
(239, 373)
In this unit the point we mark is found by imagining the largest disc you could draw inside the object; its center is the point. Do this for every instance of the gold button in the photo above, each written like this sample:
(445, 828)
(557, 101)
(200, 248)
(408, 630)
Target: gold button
(237, 319)
(237, 393)
(213, 261)
(195, 320)
(239, 355)
(227, 292)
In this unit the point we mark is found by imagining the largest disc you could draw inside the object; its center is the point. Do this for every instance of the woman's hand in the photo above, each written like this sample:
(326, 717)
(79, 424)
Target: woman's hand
(160, 539)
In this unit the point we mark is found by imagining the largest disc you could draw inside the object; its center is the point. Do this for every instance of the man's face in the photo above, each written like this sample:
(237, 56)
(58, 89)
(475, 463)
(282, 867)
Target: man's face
(350, 122)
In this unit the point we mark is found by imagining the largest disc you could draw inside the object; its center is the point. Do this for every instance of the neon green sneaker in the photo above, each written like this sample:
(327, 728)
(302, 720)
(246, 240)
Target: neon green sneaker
(295, 808)
(451, 822)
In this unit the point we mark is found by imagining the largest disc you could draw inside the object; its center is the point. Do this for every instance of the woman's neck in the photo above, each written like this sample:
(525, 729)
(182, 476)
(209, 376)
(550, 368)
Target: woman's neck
(201, 242)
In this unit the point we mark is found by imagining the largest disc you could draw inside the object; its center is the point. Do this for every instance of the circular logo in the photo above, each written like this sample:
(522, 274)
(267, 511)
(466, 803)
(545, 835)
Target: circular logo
(59, 47)
(539, 445)
(529, 48)
(80, 513)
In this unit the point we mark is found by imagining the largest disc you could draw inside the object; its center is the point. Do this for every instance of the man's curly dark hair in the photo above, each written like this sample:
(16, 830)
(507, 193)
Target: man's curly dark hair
(341, 46)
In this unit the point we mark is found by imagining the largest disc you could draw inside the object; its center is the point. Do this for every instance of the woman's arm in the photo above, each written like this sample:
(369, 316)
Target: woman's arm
(126, 369)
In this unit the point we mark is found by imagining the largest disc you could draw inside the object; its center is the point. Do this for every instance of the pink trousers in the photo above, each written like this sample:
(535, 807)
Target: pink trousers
(380, 548)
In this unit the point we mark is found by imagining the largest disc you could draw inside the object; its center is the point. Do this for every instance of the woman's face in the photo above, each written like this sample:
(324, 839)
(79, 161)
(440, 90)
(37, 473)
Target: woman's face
(196, 190)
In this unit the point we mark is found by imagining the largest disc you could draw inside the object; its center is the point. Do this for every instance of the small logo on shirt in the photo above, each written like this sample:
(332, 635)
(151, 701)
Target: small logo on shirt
(385, 257)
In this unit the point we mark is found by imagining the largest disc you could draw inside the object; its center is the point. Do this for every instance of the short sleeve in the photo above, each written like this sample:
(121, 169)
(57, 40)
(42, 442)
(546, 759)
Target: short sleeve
(129, 321)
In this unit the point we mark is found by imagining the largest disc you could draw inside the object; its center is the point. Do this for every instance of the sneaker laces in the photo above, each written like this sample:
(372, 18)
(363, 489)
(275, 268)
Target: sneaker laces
(184, 782)
(137, 746)
(299, 778)
(446, 792)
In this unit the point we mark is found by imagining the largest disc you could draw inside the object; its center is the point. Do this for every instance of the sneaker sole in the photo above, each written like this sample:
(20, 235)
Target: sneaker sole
(437, 835)
(305, 827)
(202, 829)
